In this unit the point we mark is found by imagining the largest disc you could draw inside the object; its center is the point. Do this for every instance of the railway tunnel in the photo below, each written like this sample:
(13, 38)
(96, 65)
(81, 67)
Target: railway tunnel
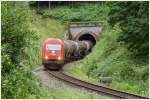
(80, 38)
(83, 31)
(87, 37)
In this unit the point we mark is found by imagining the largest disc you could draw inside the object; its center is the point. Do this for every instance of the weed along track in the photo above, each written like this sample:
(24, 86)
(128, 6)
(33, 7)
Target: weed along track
(96, 88)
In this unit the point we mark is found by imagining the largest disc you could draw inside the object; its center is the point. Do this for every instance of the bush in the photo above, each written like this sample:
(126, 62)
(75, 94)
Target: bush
(18, 80)
(15, 28)
(115, 60)
(133, 19)
(84, 12)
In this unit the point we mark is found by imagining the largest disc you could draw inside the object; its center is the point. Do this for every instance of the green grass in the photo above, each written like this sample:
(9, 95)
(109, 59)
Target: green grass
(48, 28)
(66, 93)
(42, 29)
(76, 70)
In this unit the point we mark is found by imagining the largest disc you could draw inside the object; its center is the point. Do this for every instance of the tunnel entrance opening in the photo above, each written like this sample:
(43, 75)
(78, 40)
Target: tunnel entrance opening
(88, 37)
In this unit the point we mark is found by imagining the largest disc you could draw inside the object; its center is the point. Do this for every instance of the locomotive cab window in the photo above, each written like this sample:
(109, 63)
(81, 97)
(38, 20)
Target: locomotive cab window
(53, 47)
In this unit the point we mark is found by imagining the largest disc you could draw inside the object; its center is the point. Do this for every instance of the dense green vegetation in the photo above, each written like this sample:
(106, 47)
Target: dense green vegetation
(122, 52)
(110, 58)
(17, 78)
(133, 20)
(80, 12)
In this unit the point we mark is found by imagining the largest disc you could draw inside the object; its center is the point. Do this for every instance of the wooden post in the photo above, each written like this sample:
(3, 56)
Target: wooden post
(38, 5)
(72, 4)
(49, 5)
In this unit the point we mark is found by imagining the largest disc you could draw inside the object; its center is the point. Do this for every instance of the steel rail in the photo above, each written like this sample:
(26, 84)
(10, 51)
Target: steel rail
(96, 88)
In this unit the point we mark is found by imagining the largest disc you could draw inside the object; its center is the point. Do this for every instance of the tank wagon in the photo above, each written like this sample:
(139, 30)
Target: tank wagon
(76, 49)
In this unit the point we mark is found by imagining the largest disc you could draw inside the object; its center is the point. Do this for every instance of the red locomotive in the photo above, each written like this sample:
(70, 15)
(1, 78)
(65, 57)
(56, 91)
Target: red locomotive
(53, 53)
(56, 52)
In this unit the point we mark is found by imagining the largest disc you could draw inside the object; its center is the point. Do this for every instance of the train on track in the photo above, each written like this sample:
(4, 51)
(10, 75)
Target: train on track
(53, 53)
(79, 41)
(56, 52)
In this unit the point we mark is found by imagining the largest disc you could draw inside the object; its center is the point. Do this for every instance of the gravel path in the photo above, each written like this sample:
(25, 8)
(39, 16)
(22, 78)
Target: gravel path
(50, 82)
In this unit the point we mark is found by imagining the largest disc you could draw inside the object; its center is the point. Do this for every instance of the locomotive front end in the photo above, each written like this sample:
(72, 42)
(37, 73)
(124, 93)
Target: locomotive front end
(53, 53)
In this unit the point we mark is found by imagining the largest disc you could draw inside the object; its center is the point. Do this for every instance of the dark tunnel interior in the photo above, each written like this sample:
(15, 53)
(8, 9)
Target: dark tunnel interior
(88, 37)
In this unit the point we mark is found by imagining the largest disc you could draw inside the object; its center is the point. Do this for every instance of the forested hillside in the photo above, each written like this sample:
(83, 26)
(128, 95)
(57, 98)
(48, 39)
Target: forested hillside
(121, 53)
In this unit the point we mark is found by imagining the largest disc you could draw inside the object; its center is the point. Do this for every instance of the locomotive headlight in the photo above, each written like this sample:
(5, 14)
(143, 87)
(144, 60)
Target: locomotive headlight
(46, 57)
(59, 58)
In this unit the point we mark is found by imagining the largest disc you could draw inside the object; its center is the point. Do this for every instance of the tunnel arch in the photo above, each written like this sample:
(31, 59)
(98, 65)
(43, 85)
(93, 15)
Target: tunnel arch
(90, 36)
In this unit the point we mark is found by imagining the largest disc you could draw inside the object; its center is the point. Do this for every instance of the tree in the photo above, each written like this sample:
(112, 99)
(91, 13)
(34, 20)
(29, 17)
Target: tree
(133, 19)
(17, 79)
(15, 30)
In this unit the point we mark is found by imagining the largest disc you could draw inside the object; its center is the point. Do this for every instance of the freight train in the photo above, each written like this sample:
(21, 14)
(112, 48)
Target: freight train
(56, 52)
(80, 37)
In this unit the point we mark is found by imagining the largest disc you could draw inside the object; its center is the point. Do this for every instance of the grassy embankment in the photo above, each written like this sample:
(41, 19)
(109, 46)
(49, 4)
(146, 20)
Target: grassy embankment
(43, 28)
(109, 57)
(111, 64)
(50, 28)
(63, 93)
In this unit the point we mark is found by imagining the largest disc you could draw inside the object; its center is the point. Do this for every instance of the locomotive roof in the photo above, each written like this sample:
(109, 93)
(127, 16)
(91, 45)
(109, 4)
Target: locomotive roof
(54, 40)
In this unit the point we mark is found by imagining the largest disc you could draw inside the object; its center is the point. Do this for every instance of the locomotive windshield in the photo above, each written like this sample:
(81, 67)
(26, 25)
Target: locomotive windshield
(53, 47)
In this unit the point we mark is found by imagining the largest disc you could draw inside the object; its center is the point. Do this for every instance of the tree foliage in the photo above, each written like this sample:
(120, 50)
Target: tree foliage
(84, 12)
(15, 30)
(133, 19)
(17, 78)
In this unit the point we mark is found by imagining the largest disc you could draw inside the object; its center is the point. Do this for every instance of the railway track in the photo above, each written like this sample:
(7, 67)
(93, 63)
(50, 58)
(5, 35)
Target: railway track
(96, 88)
